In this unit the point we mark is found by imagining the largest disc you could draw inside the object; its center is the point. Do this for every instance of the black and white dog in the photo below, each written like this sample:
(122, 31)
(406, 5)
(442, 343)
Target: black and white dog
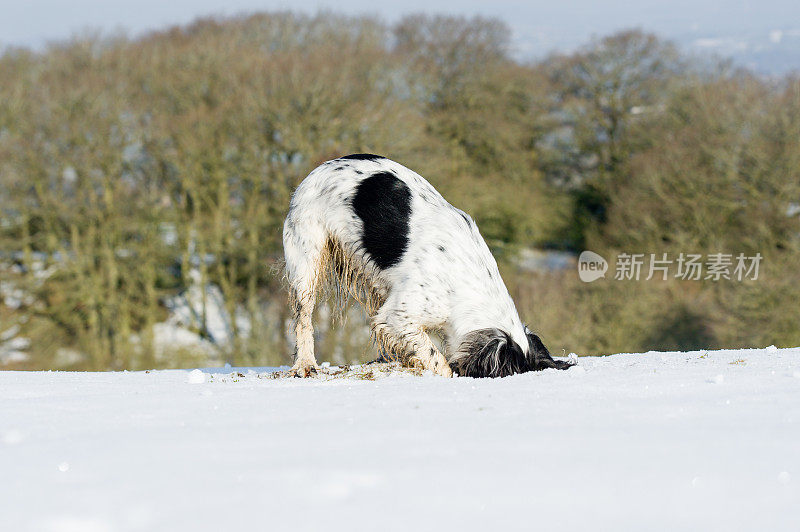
(384, 235)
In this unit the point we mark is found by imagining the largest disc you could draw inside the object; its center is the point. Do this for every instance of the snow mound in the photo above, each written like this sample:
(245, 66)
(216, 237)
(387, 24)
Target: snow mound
(196, 377)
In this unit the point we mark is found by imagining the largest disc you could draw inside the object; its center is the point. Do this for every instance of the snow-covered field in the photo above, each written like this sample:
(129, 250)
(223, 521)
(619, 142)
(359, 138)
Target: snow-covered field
(654, 441)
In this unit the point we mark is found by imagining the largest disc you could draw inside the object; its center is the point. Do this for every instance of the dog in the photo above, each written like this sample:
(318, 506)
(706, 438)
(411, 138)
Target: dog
(383, 235)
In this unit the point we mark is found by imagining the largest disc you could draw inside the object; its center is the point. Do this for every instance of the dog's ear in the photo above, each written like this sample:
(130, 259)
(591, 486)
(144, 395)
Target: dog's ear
(535, 346)
(540, 356)
(488, 353)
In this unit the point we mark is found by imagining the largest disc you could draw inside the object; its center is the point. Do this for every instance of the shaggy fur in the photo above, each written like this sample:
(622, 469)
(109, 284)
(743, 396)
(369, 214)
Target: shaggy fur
(387, 238)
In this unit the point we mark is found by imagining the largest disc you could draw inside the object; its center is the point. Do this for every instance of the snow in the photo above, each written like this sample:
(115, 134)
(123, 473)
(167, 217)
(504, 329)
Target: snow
(188, 311)
(196, 377)
(170, 336)
(624, 442)
(14, 297)
(12, 347)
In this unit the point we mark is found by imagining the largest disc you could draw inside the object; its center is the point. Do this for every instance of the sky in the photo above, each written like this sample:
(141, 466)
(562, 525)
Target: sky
(766, 29)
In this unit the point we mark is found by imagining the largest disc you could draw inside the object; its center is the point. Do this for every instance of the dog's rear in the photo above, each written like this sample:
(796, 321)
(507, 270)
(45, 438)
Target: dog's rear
(310, 251)
(348, 223)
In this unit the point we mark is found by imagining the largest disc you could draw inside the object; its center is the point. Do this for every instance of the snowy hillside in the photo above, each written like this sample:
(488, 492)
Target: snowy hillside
(632, 441)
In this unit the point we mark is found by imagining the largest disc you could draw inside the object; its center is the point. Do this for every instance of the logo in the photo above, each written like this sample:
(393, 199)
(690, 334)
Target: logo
(689, 266)
(591, 266)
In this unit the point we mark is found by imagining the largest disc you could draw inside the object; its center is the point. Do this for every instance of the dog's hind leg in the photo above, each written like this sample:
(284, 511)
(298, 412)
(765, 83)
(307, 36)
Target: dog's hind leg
(304, 244)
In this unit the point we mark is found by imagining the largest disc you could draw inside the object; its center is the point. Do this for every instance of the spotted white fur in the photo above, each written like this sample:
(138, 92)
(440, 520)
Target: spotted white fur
(445, 278)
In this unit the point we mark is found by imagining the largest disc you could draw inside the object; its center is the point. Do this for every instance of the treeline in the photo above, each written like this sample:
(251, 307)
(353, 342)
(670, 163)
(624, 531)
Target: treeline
(132, 170)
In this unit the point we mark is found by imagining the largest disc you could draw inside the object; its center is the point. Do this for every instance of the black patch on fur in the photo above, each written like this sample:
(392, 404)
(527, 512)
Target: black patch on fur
(362, 157)
(441, 248)
(492, 353)
(383, 202)
(338, 168)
